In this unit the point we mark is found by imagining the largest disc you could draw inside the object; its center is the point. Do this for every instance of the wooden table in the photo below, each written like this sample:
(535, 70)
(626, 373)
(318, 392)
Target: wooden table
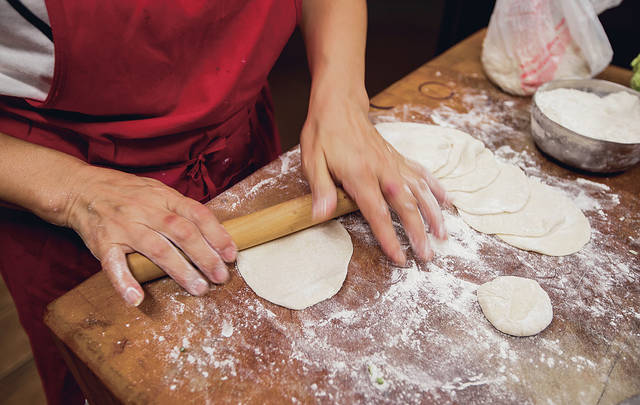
(413, 334)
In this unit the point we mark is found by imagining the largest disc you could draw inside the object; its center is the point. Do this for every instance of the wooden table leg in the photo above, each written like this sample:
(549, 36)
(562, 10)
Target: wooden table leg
(93, 389)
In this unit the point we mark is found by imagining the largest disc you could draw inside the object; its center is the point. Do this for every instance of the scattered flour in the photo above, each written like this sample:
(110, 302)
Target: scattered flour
(416, 334)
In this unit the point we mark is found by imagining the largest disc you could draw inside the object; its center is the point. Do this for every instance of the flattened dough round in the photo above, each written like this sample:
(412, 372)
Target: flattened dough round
(538, 216)
(566, 238)
(509, 192)
(459, 142)
(468, 158)
(301, 269)
(428, 145)
(485, 173)
(515, 305)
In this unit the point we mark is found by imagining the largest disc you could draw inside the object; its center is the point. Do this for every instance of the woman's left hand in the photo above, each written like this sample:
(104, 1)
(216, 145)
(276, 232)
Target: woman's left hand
(339, 145)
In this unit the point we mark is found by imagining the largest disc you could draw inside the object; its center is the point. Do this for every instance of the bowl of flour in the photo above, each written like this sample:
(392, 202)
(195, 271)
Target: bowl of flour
(590, 124)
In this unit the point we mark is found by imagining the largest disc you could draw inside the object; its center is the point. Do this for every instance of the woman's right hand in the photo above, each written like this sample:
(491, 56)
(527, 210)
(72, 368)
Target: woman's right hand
(117, 213)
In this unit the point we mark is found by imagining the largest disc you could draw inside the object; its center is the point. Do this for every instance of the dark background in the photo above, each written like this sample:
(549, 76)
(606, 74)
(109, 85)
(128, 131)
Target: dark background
(405, 34)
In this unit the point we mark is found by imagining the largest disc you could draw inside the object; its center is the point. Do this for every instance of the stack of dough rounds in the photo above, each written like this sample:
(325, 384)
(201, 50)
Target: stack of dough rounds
(493, 197)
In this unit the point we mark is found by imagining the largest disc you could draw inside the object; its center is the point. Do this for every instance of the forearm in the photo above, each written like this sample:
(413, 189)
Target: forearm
(335, 37)
(37, 178)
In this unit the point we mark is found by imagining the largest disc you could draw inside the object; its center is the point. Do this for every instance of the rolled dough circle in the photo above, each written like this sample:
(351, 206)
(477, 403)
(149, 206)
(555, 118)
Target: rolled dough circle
(509, 192)
(301, 269)
(428, 145)
(538, 216)
(515, 305)
(459, 142)
(485, 173)
(566, 238)
(468, 158)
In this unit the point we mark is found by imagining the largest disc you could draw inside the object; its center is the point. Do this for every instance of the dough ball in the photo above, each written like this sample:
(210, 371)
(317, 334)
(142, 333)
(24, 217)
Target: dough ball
(301, 269)
(515, 305)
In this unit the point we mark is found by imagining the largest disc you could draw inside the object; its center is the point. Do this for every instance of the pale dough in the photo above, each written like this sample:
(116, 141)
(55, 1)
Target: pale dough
(515, 305)
(536, 218)
(566, 238)
(492, 197)
(485, 173)
(301, 269)
(509, 192)
(468, 158)
(428, 145)
(459, 142)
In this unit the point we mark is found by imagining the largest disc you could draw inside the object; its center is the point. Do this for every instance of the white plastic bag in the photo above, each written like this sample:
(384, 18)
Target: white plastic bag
(530, 42)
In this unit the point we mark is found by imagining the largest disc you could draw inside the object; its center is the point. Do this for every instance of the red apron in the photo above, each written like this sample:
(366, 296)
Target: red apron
(173, 90)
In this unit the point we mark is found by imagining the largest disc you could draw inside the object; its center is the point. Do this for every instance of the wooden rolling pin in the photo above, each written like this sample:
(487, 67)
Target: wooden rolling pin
(253, 229)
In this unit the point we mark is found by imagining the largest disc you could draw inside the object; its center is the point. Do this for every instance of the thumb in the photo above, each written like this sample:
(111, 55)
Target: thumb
(323, 189)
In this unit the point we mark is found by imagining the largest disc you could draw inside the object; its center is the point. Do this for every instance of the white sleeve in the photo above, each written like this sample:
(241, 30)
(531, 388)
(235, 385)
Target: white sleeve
(26, 54)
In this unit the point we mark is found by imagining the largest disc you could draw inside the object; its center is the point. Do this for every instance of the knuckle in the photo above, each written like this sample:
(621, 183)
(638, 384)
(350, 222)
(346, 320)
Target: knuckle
(170, 219)
(391, 188)
(159, 250)
(182, 231)
(199, 212)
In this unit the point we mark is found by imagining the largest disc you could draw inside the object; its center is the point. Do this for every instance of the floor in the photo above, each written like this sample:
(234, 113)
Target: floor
(19, 381)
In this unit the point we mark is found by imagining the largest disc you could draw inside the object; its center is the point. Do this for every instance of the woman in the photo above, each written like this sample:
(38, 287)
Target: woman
(152, 109)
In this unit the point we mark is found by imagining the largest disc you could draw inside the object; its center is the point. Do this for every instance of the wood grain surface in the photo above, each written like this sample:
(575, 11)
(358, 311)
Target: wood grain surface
(394, 335)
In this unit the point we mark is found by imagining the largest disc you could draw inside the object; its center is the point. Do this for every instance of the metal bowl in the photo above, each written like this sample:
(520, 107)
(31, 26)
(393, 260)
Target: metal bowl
(573, 149)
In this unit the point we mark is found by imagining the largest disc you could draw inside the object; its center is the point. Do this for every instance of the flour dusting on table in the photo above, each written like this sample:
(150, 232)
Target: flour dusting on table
(416, 334)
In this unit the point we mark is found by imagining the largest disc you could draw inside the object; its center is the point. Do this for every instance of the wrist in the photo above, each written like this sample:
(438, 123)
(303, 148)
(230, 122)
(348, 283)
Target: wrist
(76, 199)
(54, 202)
(342, 89)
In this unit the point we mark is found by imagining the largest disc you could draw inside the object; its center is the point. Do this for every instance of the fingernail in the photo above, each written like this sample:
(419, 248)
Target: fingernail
(133, 297)
(221, 273)
(200, 287)
(229, 253)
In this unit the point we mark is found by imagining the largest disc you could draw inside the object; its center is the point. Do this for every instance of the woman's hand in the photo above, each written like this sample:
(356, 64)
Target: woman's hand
(117, 213)
(339, 143)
